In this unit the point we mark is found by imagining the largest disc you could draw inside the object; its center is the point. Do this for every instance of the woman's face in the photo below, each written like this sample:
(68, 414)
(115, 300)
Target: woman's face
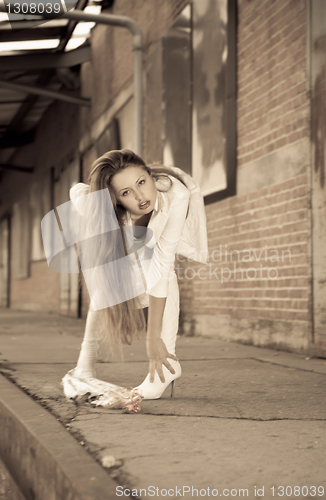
(135, 190)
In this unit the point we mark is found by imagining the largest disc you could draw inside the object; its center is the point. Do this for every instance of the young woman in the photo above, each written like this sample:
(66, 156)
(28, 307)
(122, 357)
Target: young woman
(160, 213)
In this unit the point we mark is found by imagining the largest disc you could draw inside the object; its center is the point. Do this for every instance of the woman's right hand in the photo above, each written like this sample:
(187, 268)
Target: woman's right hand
(158, 356)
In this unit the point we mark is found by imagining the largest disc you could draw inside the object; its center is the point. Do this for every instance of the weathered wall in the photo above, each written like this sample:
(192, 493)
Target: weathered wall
(270, 213)
(108, 78)
(56, 144)
(258, 272)
(318, 136)
(111, 68)
(40, 292)
(273, 105)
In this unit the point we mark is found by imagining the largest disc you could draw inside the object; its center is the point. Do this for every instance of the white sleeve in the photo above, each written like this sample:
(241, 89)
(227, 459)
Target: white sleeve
(75, 192)
(167, 244)
(78, 190)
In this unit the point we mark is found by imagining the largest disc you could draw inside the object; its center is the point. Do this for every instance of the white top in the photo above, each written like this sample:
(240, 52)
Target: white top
(178, 223)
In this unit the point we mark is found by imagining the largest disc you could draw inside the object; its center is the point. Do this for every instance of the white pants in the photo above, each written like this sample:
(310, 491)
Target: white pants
(92, 336)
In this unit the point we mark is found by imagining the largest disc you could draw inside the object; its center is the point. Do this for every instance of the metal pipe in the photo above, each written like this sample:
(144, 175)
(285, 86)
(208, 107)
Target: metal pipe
(123, 22)
(54, 94)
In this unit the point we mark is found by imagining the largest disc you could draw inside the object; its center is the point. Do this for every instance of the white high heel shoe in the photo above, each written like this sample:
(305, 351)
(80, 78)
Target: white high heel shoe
(154, 390)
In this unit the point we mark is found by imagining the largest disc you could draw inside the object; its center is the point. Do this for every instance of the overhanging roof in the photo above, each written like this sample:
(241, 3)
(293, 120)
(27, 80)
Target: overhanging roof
(53, 69)
(49, 60)
(76, 16)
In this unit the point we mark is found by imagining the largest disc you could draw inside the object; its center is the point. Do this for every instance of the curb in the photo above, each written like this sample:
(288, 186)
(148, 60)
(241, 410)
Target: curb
(44, 460)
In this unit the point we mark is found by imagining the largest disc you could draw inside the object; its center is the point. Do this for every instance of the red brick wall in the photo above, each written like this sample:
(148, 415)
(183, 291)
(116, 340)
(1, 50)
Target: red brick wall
(267, 222)
(273, 105)
(272, 112)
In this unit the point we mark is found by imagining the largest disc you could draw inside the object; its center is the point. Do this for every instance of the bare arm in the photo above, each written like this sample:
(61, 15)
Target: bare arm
(155, 315)
(166, 248)
(156, 349)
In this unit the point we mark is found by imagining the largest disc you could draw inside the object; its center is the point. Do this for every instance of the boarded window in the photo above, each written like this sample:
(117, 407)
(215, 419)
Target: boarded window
(209, 64)
(21, 238)
(69, 282)
(177, 93)
(197, 131)
(110, 139)
(125, 119)
(40, 205)
(27, 243)
(4, 263)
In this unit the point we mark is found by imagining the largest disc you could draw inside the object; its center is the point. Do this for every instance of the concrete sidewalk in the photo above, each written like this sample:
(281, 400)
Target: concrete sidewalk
(242, 418)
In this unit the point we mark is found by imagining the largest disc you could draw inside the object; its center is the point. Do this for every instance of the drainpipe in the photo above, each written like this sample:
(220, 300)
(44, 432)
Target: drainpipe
(123, 22)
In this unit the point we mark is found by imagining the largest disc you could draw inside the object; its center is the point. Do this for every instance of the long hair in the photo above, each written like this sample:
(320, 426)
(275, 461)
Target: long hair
(124, 321)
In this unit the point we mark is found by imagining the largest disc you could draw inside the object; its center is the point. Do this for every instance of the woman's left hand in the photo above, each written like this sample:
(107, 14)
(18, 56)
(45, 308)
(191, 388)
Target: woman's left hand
(157, 354)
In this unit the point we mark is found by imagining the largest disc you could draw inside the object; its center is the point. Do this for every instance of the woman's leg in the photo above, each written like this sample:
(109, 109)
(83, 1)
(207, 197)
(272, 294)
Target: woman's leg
(89, 347)
(170, 323)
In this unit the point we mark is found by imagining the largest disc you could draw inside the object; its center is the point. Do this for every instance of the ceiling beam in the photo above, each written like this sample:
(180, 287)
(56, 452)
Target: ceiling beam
(24, 25)
(138, 49)
(29, 101)
(46, 60)
(68, 30)
(26, 170)
(31, 34)
(16, 139)
(46, 63)
(45, 92)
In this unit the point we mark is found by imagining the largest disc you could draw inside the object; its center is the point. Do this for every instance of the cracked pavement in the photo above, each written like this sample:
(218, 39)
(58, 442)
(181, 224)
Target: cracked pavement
(241, 417)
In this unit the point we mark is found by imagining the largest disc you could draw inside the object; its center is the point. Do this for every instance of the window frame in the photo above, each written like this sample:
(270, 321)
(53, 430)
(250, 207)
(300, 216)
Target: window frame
(231, 111)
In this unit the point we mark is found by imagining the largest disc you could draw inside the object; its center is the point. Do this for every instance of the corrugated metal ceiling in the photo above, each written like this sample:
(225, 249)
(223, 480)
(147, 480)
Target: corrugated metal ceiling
(21, 111)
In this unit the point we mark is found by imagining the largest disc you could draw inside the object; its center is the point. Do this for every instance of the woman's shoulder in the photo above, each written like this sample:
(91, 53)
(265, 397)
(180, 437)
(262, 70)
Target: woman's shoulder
(189, 181)
(170, 187)
(178, 188)
(171, 194)
(76, 193)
